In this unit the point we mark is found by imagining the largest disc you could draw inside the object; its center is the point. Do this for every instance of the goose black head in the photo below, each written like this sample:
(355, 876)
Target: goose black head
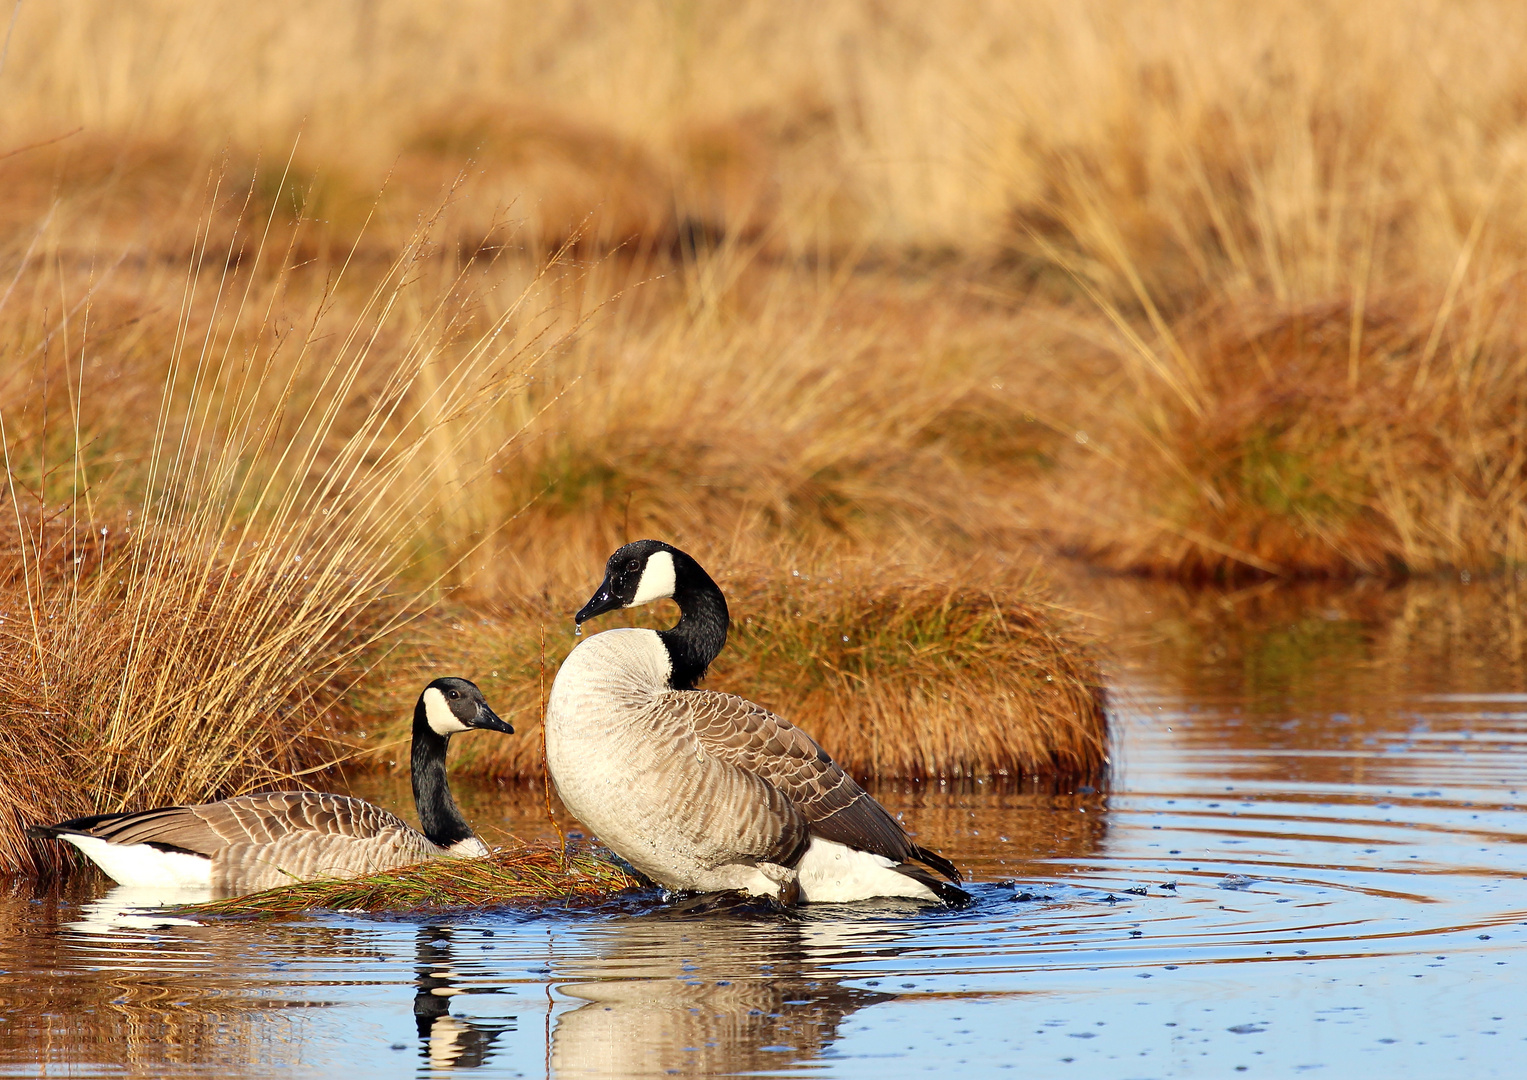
(639, 573)
(648, 570)
(451, 705)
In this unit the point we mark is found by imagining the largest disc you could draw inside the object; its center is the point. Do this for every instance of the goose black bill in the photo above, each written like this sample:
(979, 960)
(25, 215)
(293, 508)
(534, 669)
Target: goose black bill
(489, 720)
(604, 599)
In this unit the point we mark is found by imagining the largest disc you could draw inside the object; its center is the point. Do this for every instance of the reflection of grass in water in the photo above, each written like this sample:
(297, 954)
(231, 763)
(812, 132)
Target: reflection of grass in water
(535, 873)
(1272, 651)
(154, 1004)
(1294, 661)
(1319, 667)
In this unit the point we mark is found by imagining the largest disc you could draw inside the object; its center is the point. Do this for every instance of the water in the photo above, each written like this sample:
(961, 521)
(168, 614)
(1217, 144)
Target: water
(1310, 859)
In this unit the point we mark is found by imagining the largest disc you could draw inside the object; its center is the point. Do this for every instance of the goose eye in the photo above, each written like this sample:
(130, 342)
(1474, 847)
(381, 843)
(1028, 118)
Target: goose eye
(454, 695)
(631, 566)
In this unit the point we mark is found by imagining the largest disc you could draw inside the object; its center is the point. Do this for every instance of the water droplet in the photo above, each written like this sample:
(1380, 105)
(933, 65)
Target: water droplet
(577, 629)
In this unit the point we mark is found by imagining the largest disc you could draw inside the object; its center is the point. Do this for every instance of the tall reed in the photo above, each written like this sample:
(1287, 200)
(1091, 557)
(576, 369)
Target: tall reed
(193, 635)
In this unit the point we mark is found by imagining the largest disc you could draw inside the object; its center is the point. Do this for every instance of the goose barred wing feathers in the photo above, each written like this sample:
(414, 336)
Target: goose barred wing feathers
(272, 838)
(752, 740)
(730, 810)
(262, 819)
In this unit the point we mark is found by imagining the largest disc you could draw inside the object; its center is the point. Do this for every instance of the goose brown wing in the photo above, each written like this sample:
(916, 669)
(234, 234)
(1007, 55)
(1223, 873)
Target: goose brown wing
(750, 738)
(281, 837)
(265, 818)
(729, 812)
(270, 816)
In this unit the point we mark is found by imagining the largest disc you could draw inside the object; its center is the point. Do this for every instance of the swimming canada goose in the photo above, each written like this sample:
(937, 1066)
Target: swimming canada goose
(706, 791)
(259, 841)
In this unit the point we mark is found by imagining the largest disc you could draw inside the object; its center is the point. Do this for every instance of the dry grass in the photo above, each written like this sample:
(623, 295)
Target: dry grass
(1320, 441)
(187, 628)
(525, 875)
(755, 409)
(1288, 241)
(1306, 227)
(899, 674)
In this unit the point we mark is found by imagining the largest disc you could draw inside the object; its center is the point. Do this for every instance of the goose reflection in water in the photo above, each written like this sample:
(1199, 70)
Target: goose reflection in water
(708, 995)
(136, 907)
(446, 1041)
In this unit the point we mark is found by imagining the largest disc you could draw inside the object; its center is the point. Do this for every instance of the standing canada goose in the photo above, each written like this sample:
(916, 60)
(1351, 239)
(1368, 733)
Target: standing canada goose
(259, 841)
(706, 791)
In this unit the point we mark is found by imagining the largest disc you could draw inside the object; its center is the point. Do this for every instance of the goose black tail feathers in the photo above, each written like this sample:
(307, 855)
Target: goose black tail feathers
(938, 862)
(948, 893)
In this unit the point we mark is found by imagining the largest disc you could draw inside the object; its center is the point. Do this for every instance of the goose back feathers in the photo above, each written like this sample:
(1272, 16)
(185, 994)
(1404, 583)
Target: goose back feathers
(253, 842)
(707, 791)
(260, 841)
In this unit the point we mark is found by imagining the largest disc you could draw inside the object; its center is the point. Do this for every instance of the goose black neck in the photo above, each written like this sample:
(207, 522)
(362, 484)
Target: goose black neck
(703, 620)
(439, 817)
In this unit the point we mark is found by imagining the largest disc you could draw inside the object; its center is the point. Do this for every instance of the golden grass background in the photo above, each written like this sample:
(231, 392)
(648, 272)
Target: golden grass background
(898, 300)
(1265, 261)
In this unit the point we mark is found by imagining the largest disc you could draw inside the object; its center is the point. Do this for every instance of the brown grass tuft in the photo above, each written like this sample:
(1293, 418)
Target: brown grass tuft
(902, 675)
(1310, 258)
(1323, 440)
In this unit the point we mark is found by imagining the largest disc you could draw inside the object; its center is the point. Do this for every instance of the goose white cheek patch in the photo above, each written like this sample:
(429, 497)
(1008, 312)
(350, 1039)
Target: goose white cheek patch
(657, 581)
(437, 711)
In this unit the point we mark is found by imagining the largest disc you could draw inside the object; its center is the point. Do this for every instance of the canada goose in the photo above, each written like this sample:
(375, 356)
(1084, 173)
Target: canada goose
(706, 791)
(259, 841)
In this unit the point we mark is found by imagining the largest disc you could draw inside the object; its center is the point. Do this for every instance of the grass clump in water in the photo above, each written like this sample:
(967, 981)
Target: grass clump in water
(898, 674)
(534, 873)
